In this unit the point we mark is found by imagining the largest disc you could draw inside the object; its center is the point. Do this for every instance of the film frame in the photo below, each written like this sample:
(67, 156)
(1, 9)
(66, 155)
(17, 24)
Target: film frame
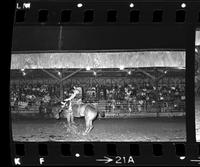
(183, 38)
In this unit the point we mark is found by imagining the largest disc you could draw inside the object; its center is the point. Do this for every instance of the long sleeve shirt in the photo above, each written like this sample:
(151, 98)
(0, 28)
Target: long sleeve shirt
(71, 97)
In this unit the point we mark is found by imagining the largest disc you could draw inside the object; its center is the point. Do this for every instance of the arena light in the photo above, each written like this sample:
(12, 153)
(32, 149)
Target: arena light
(79, 5)
(88, 68)
(181, 68)
(59, 73)
(121, 67)
(183, 5)
(131, 5)
(22, 70)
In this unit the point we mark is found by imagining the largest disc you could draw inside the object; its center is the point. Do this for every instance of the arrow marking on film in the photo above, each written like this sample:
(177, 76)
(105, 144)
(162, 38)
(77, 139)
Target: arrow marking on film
(107, 159)
(195, 160)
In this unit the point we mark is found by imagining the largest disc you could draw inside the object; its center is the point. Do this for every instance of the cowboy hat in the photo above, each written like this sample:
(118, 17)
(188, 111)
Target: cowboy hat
(77, 88)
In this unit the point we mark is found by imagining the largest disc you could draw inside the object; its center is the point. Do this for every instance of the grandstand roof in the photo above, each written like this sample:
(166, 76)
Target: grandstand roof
(98, 60)
(197, 41)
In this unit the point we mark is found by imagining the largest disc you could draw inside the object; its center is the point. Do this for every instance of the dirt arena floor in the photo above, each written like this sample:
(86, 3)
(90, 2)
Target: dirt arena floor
(110, 129)
(197, 118)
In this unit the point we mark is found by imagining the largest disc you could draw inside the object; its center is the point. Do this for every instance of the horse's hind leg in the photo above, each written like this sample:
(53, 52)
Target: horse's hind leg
(90, 126)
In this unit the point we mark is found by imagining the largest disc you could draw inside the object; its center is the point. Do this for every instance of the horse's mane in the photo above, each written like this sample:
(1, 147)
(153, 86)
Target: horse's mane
(91, 105)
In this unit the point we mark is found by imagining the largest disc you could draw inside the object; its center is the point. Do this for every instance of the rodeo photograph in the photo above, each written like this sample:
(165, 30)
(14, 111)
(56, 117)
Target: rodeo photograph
(98, 96)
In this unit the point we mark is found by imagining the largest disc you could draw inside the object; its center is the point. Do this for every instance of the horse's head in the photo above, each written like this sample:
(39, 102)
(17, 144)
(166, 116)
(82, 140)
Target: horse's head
(56, 110)
(56, 115)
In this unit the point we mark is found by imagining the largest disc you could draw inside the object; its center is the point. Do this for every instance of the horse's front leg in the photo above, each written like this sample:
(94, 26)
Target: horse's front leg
(72, 118)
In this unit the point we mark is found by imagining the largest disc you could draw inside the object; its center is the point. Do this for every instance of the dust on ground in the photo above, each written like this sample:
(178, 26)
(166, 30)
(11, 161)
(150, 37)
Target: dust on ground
(110, 129)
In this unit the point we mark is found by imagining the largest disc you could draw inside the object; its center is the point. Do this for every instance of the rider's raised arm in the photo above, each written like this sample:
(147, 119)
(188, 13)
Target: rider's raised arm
(78, 101)
(71, 97)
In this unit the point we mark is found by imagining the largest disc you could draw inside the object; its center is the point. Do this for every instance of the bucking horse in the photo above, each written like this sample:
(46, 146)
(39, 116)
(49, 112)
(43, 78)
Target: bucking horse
(88, 111)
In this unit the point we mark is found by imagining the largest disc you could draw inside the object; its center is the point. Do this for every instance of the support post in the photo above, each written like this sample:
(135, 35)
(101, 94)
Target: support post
(160, 77)
(60, 42)
(146, 73)
(61, 87)
(157, 98)
(53, 76)
(61, 91)
(70, 75)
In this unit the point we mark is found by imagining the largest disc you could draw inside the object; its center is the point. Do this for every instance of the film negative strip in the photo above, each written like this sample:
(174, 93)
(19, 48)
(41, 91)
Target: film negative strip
(96, 83)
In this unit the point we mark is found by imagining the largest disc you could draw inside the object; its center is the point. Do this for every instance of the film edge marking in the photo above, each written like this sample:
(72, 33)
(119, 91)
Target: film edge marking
(117, 160)
(17, 161)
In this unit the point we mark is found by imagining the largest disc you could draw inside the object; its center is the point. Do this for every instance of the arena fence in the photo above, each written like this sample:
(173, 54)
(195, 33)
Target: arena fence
(107, 108)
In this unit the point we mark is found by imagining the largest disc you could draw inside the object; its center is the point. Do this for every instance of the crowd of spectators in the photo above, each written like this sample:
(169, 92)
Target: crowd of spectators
(126, 96)
(26, 94)
(138, 97)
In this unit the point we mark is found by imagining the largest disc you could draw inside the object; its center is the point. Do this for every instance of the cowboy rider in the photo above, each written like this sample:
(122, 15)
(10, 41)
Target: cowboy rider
(73, 99)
